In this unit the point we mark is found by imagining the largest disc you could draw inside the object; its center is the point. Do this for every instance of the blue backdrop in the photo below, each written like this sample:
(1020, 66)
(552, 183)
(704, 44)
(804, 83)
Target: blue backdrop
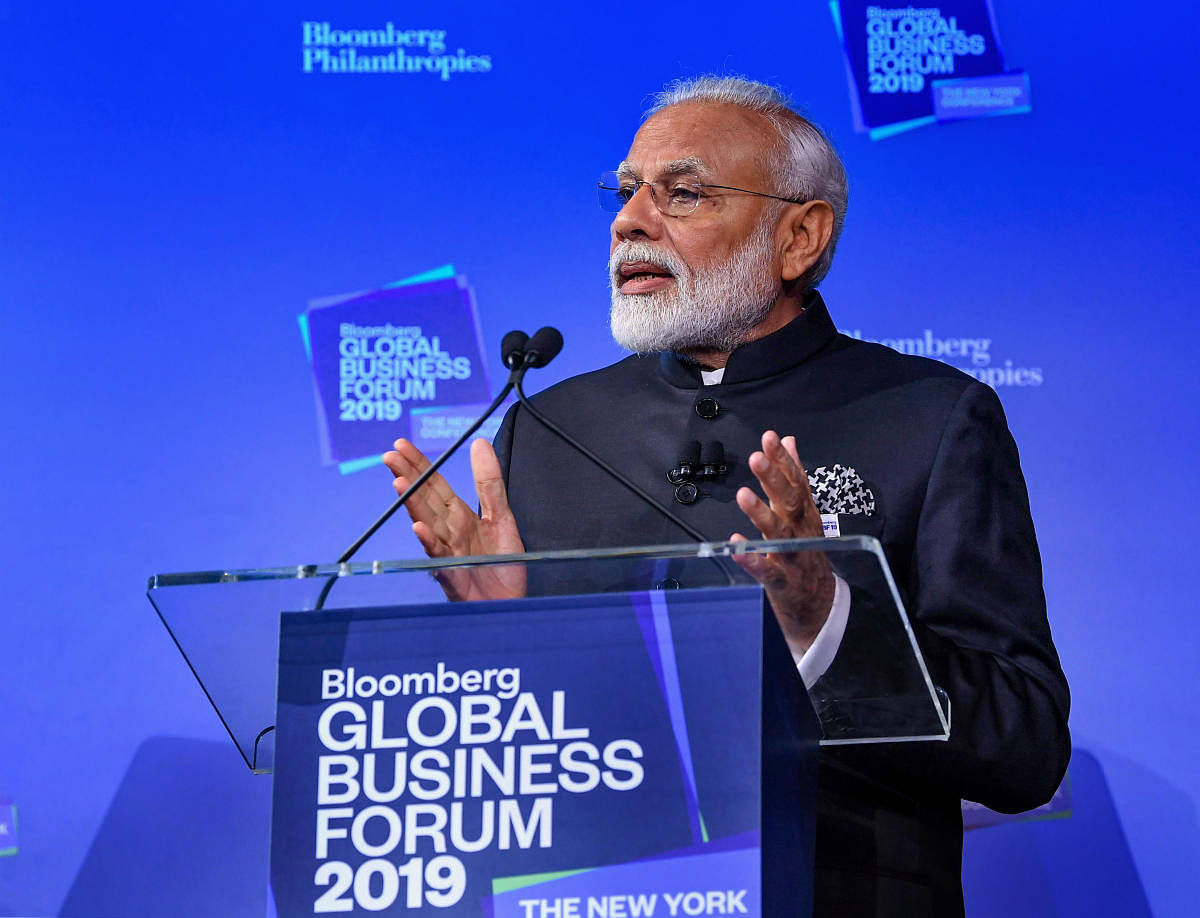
(174, 189)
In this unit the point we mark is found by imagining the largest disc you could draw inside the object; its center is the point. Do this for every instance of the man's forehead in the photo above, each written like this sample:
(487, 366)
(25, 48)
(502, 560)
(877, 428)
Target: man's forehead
(702, 139)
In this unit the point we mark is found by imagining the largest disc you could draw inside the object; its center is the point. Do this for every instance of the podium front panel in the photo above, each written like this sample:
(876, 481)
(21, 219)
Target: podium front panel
(585, 755)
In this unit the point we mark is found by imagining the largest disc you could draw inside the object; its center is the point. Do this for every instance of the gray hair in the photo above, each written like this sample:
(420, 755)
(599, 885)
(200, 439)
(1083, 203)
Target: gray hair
(806, 165)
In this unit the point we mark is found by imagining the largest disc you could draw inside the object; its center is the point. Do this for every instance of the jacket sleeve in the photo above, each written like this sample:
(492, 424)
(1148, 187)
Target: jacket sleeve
(979, 614)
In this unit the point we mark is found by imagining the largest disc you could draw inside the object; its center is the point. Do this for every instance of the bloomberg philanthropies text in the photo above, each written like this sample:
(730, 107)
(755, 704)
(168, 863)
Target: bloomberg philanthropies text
(387, 49)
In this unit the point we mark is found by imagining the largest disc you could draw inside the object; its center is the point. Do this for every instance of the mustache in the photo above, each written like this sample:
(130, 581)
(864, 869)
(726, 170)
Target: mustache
(629, 251)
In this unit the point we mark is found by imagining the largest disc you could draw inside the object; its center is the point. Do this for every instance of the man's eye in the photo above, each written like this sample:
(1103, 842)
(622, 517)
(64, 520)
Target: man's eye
(627, 191)
(684, 194)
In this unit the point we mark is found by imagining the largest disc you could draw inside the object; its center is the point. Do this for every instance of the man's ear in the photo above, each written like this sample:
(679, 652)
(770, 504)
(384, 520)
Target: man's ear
(807, 230)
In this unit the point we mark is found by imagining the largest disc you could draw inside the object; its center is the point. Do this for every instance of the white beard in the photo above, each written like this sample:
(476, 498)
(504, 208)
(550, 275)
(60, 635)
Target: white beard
(710, 309)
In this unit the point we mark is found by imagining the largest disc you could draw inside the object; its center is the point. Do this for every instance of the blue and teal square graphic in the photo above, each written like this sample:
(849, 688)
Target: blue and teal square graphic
(382, 357)
(911, 66)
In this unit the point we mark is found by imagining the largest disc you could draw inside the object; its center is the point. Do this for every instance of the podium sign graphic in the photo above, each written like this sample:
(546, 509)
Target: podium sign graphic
(595, 755)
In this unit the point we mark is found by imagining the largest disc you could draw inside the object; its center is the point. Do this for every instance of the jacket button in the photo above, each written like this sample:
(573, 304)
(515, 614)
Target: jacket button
(707, 408)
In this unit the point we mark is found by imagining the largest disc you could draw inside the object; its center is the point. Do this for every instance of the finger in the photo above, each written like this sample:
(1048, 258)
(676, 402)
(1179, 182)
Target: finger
(789, 444)
(785, 460)
(797, 467)
(805, 486)
(489, 482)
(784, 480)
(424, 509)
(407, 460)
(405, 453)
(752, 564)
(434, 503)
(430, 543)
(765, 520)
(782, 493)
(398, 464)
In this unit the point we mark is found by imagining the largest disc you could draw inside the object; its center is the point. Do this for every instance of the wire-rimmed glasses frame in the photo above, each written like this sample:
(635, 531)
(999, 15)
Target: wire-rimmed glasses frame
(673, 197)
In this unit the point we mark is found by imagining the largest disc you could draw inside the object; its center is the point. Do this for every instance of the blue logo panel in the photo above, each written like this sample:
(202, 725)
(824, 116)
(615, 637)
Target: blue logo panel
(379, 356)
(494, 758)
(911, 66)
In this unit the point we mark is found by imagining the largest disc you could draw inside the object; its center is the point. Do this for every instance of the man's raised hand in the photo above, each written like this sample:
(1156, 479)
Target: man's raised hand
(800, 585)
(447, 527)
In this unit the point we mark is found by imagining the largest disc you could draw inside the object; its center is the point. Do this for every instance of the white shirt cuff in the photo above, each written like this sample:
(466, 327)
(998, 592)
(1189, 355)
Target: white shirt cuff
(814, 661)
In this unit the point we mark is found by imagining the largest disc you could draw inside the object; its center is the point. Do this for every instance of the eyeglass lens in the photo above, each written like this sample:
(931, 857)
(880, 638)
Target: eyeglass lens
(673, 198)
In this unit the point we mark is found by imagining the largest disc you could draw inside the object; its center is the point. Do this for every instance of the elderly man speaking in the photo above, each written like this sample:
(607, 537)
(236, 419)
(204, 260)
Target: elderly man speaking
(727, 209)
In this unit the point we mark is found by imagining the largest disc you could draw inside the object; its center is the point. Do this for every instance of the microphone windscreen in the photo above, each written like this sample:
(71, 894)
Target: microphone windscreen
(690, 453)
(713, 453)
(544, 346)
(512, 348)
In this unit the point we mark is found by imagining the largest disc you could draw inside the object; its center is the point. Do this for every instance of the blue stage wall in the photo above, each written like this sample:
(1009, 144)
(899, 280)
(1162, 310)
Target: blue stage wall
(174, 189)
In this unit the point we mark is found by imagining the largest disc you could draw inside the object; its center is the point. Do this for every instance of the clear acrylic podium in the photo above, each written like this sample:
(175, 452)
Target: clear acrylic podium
(226, 624)
(646, 733)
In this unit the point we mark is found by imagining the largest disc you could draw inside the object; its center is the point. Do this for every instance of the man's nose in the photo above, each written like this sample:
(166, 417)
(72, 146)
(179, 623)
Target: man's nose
(639, 218)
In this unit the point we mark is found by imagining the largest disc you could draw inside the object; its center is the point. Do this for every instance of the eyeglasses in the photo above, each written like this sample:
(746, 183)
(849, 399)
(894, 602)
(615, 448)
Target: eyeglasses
(672, 197)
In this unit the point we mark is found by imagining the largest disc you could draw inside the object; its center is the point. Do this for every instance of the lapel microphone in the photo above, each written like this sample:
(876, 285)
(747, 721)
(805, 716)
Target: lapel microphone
(695, 464)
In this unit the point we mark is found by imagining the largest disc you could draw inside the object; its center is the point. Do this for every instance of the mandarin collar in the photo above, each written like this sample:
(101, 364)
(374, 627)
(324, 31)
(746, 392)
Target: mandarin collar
(793, 344)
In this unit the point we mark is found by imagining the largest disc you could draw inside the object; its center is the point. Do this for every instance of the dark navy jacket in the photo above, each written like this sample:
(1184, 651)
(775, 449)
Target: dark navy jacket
(950, 507)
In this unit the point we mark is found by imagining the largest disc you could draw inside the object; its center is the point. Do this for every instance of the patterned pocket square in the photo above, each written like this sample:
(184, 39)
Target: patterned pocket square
(840, 490)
